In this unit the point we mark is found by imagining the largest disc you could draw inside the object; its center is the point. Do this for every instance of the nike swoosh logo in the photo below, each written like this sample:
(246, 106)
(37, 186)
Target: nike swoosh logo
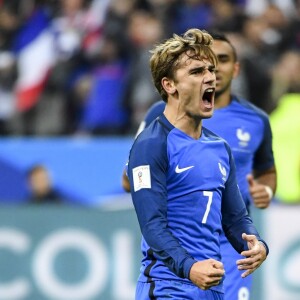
(178, 170)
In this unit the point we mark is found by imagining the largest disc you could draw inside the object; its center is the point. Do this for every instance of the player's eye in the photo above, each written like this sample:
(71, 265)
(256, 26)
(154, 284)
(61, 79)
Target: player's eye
(212, 69)
(223, 58)
(198, 71)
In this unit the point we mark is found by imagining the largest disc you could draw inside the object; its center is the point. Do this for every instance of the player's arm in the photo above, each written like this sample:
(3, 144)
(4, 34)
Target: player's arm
(239, 228)
(155, 110)
(262, 183)
(147, 169)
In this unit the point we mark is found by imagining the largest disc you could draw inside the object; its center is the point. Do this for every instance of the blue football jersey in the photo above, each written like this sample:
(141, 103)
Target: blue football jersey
(246, 129)
(185, 193)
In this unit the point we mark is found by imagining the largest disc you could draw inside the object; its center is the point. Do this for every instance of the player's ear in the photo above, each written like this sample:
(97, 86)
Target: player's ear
(168, 85)
(236, 69)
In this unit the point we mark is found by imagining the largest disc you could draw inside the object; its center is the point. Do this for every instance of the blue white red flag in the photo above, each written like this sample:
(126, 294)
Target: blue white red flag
(35, 56)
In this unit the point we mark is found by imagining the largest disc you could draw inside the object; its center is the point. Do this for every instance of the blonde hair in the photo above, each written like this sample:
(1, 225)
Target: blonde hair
(165, 57)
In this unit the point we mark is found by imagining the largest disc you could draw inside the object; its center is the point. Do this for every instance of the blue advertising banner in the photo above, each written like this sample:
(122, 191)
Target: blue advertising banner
(68, 253)
(85, 170)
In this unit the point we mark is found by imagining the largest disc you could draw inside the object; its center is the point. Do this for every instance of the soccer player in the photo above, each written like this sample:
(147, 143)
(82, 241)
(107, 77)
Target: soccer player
(183, 182)
(247, 130)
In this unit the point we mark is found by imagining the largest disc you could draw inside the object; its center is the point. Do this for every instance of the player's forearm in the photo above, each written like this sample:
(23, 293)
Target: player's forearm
(236, 229)
(167, 248)
(151, 212)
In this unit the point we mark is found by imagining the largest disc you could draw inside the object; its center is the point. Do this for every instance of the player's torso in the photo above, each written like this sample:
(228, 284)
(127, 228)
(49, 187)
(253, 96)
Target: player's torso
(195, 179)
(198, 170)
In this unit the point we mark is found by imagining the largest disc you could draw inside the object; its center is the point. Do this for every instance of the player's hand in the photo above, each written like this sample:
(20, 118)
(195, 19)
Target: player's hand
(254, 257)
(260, 196)
(207, 273)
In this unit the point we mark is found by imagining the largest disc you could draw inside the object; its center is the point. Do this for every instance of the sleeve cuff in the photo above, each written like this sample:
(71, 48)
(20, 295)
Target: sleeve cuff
(187, 267)
(265, 245)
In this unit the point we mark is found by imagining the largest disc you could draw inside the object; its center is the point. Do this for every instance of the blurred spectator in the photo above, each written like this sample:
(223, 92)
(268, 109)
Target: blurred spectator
(76, 30)
(286, 144)
(192, 14)
(164, 10)
(50, 46)
(33, 48)
(9, 23)
(75, 25)
(268, 32)
(8, 75)
(41, 187)
(276, 35)
(144, 30)
(117, 18)
(254, 81)
(227, 16)
(295, 26)
(101, 92)
(286, 74)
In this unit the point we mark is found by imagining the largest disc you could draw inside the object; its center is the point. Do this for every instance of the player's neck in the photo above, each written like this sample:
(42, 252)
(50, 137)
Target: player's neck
(223, 100)
(190, 126)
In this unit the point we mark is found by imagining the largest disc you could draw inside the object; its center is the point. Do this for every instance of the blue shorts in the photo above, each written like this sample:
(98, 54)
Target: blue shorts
(171, 289)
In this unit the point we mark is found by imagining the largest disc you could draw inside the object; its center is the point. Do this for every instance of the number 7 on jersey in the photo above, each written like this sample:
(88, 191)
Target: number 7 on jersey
(208, 205)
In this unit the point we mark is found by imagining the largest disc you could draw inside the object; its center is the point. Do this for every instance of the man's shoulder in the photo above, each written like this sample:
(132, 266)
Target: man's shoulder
(212, 135)
(215, 137)
(250, 107)
(154, 111)
(151, 144)
(154, 134)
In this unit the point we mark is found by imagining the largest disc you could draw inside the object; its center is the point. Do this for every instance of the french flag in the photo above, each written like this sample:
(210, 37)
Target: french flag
(33, 47)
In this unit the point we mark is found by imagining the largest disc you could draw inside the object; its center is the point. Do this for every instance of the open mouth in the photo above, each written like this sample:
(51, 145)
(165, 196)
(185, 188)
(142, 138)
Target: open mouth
(208, 96)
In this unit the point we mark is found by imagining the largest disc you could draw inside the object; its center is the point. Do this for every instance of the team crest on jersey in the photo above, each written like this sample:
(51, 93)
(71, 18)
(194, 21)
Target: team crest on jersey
(141, 178)
(223, 171)
(243, 137)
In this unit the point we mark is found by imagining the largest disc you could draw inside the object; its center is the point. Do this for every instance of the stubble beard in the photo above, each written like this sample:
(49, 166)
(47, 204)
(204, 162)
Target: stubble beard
(220, 92)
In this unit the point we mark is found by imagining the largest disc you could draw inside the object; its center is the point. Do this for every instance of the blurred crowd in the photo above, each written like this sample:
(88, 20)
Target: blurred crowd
(80, 67)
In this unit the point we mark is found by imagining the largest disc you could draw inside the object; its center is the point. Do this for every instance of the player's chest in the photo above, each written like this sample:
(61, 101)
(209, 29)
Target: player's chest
(196, 166)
